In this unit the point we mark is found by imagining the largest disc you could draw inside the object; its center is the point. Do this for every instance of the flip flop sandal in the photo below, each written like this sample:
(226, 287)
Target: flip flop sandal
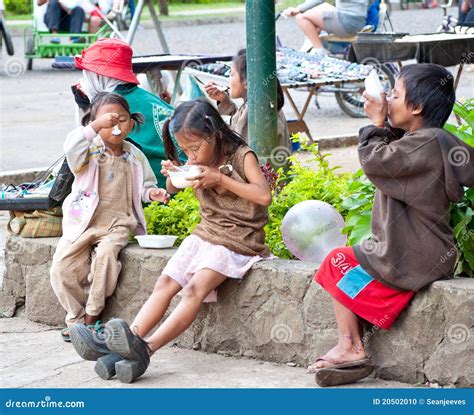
(334, 377)
(312, 369)
(65, 335)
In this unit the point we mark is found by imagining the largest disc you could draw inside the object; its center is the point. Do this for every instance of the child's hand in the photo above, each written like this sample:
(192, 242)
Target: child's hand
(376, 110)
(208, 178)
(108, 120)
(166, 166)
(214, 92)
(159, 195)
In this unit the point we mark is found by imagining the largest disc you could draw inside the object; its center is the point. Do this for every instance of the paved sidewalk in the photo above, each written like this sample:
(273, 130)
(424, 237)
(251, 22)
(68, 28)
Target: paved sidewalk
(33, 356)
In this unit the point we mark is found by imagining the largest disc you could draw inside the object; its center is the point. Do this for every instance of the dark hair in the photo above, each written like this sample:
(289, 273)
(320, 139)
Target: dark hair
(431, 88)
(202, 119)
(104, 98)
(240, 63)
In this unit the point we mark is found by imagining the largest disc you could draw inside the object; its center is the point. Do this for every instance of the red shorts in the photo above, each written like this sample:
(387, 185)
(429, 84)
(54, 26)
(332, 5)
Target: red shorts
(343, 277)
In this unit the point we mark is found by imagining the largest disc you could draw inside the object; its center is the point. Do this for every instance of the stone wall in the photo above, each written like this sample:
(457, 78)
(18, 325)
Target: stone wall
(277, 313)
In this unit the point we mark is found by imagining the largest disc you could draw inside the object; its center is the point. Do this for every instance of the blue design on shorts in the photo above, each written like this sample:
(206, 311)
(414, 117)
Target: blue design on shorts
(354, 281)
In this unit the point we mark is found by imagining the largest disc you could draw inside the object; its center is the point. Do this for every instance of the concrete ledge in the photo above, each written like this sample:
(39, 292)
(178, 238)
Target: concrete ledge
(277, 314)
(337, 141)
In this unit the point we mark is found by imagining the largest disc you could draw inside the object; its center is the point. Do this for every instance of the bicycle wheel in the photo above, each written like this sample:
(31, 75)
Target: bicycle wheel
(6, 37)
(30, 50)
(352, 102)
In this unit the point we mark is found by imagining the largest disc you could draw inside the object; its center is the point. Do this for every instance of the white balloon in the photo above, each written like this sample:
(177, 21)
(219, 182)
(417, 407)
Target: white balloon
(311, 229)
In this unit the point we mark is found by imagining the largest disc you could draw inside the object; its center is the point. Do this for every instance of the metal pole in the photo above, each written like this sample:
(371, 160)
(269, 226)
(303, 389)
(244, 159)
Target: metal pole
(136, 20)
(158, 29)
(261, 77)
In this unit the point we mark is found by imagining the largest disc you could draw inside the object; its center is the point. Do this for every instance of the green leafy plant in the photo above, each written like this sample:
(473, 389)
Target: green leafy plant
(179, 217)
(464, 112)
(462, 213)
(462, 221)
(358, 203)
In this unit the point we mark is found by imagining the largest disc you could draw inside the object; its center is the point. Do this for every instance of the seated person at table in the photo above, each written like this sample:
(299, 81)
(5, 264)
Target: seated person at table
(466, 13)
(343, 20)
(238, 89)
(418, 169)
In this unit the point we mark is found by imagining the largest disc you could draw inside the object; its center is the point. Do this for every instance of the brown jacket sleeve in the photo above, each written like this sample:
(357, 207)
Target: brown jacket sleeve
(390, 161)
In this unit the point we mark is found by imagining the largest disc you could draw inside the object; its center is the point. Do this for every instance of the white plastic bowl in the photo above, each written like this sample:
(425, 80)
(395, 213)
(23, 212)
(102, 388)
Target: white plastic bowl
(156, 241)
(179, 178)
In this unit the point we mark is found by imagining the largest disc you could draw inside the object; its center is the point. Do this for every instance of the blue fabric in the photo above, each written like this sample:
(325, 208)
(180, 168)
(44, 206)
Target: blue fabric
(373, 14)
(354, 281)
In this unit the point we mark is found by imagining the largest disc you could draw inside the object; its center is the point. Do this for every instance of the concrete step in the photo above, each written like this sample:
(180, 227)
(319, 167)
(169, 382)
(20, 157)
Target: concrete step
(276, 314)
(45, 361)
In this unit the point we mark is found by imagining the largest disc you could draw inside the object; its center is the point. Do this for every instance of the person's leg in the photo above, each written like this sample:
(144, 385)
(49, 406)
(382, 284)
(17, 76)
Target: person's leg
(155, 307)
(76, 20)
(94, 24)
(349, 346)
(68, 273)
(52, 17)
(312, 22)
(201, 284)
(469, 18)
(104, 274)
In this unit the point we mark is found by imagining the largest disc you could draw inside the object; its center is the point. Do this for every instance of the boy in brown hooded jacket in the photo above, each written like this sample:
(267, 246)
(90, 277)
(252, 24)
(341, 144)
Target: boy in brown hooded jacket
(418, 169)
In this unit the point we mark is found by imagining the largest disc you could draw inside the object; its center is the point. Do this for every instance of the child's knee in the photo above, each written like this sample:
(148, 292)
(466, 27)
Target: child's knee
(58, 277)
(193, 291)
(164, 283)
(107, 250)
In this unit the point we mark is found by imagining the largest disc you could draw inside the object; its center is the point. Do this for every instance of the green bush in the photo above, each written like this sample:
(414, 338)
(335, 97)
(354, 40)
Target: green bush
(18, 6)
(179, 217)
(462, 213)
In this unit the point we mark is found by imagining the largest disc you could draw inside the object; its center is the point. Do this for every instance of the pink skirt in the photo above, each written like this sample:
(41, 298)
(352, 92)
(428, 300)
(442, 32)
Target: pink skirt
(195, 254)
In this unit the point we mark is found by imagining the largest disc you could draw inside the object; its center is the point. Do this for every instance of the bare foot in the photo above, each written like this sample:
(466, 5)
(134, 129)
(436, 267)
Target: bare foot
(337, 355)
